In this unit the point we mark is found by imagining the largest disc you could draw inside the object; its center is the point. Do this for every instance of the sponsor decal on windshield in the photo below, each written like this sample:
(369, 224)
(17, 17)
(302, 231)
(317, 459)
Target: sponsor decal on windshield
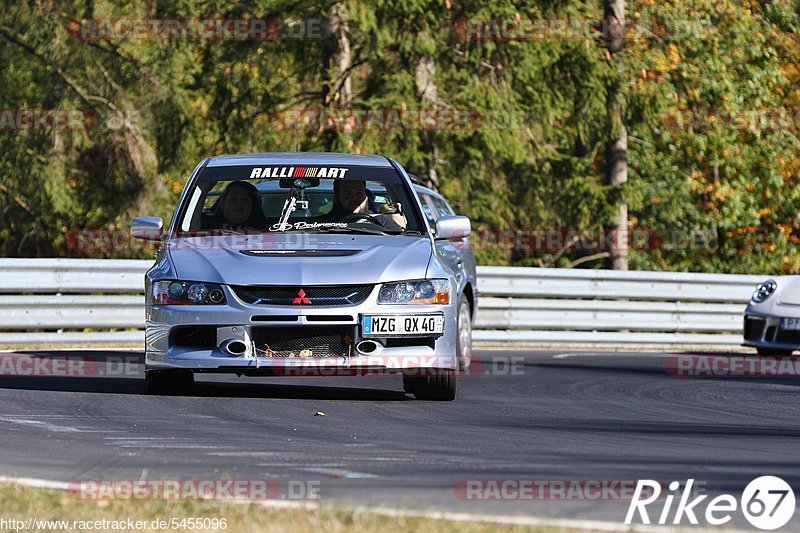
(298, 172)
(284, 226)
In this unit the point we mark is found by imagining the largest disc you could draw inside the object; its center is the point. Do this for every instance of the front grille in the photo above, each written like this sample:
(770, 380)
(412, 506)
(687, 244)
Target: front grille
(753, 328)
(311, 296)
(786, 336)
(318, 341)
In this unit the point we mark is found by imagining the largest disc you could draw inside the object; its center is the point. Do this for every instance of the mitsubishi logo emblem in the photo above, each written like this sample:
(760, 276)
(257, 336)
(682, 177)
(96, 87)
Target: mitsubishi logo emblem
(301, 298)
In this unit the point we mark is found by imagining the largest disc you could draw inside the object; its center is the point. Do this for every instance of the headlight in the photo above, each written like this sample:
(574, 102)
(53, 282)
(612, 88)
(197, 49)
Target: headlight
(764, 291)
(426, 291)
(187, 293)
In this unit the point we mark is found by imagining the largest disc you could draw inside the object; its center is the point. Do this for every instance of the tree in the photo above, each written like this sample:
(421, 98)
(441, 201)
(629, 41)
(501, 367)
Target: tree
(616, 149)
(704, 112)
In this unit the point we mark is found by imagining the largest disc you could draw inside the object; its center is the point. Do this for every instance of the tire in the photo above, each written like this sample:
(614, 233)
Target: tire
(168, 381)
(441, 386)
(464, 336)
(409, 383)
(773, 351)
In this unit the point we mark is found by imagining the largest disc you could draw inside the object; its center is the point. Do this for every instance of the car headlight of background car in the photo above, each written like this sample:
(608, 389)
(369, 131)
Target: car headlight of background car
(425, 291)
(171, 292)
(764, 291)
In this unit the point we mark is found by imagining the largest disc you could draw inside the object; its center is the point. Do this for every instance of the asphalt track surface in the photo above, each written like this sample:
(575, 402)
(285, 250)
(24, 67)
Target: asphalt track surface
(522, 415)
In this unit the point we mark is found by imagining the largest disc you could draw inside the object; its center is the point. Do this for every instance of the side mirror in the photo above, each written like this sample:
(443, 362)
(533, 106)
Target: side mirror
(147, 228)
(453, 227)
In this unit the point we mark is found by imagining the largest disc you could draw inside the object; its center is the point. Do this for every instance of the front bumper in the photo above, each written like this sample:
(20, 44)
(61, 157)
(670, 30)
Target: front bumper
(248, 321)
(764, 331)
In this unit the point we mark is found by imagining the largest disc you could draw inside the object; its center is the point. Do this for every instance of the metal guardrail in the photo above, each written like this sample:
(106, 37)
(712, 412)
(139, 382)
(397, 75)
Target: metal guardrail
(551, 306)
(52, 301)
(73, 276)
(45, 301)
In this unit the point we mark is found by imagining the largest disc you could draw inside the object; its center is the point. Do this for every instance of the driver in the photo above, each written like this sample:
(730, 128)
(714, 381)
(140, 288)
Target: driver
(350, 199)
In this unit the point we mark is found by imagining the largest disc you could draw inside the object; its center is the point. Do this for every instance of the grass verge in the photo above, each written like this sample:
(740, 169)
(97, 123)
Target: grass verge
(24, 504)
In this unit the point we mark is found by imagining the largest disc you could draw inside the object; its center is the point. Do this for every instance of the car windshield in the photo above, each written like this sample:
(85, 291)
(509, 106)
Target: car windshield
(308, 199)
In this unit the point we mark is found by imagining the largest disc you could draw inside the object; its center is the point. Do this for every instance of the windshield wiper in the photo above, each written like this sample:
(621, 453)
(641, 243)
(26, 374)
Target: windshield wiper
(211, 233)
(366, 231)
(362, 231)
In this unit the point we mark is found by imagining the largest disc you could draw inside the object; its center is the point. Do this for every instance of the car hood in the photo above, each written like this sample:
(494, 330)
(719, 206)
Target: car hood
(789, 290)
(300, 259)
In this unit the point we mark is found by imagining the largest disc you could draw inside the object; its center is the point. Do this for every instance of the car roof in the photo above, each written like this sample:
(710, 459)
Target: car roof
(304, 158)
(426, 190)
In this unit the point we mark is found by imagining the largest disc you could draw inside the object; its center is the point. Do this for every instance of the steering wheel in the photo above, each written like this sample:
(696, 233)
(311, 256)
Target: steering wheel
(355, 217)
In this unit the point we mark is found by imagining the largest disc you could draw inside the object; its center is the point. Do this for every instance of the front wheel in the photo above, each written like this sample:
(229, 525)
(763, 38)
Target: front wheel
(464, 340)
(168, 381)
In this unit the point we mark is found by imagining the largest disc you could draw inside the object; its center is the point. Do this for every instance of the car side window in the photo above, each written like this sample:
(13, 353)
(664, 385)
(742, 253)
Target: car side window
(442, 207)
(427, 209)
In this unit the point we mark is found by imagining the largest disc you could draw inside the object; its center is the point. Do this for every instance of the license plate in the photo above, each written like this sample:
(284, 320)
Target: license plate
(402, 325)
(790, 323)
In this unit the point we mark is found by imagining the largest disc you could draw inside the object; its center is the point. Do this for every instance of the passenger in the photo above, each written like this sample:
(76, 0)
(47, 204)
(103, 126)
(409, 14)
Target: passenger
(239, 207)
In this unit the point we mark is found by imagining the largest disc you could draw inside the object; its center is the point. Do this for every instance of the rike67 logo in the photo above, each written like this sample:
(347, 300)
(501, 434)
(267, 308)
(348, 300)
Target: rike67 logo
(767, 503)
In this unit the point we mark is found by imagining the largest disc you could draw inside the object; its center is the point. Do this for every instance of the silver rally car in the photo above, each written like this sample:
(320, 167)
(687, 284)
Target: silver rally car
(309, 264)
(772, 318)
